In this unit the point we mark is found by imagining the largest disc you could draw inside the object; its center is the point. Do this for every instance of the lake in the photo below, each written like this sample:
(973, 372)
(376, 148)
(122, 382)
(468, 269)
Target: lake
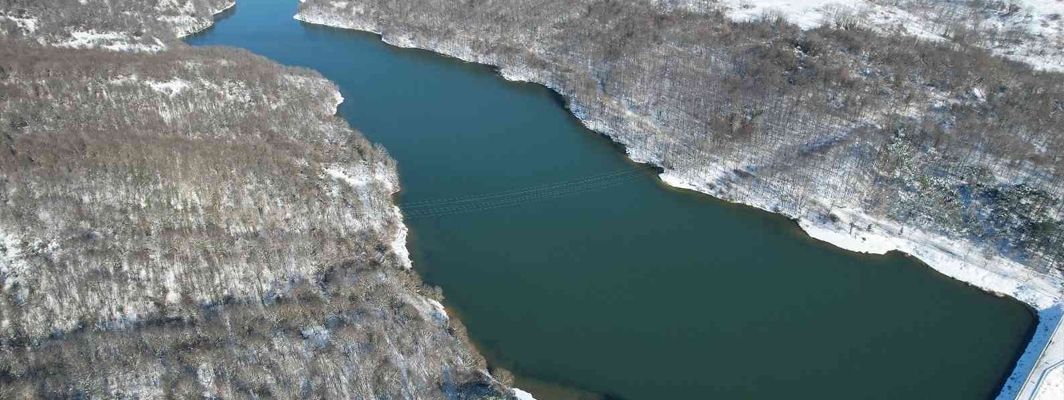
(586, 276)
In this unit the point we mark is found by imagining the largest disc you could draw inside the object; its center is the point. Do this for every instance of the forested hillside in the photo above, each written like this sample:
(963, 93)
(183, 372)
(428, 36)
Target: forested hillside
(198, 223)
(872, 141)
(120, 25)
(1031, 31)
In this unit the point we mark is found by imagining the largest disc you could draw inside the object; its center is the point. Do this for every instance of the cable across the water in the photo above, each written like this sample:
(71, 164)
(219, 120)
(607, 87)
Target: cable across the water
(520, 196)
(522, 191)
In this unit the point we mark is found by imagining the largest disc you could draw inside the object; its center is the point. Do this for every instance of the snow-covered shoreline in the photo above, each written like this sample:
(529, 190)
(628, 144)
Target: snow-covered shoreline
(184, 33)
(1042, 355)
(955, 259)
(398, 243)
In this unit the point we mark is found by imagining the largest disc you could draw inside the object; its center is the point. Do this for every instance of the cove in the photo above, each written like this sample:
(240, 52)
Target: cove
(581, 269)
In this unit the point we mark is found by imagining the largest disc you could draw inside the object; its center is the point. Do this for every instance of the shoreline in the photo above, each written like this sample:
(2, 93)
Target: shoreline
(210, 24)
(1044, 353)
(994, 275)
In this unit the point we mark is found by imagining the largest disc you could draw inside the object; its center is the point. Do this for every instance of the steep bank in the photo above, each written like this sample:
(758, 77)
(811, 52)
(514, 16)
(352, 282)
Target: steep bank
(865, 150)
(183, 222)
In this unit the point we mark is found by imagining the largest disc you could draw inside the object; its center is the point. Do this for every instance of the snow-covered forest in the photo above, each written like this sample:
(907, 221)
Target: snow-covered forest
(188, 222)
(120, 25)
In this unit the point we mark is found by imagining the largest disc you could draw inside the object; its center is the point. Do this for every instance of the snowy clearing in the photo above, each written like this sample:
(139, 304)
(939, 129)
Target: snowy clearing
(114, 41)
(1052, 387)
(1043, 20)
(29, 25)
(170, 88)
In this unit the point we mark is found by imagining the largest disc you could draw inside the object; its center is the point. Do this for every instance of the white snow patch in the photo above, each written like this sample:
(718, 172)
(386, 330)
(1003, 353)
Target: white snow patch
(522, 395)
(91, 38)
(439, 308)
(809, 14)
(114, 41)
(1043, 19)
(170, 88)
(316, 335)
(398, 245)
(225, 8)
(431, 309)
(804, 13)
(205, 373)
(359, 179)
(954, 258)
(339, 99)
(26, 24)
(12, 265)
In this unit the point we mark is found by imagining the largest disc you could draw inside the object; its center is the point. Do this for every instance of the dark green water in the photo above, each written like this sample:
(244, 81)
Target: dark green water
(633, 290)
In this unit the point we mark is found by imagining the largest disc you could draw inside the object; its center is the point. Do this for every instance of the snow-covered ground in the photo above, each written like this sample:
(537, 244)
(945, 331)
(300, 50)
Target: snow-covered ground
(114, 41)
(1042, 19)
(173, 19)
(1052, 387)
(185, 26)
(952, 258)
(1039, 375)
(29, 25)
(522, 395)
(170, 88)
(810, 14)
(360, 176)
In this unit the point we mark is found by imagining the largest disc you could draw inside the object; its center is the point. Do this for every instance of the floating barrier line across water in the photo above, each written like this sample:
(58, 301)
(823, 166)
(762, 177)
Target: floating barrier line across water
(513, 198)
(522, 191)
